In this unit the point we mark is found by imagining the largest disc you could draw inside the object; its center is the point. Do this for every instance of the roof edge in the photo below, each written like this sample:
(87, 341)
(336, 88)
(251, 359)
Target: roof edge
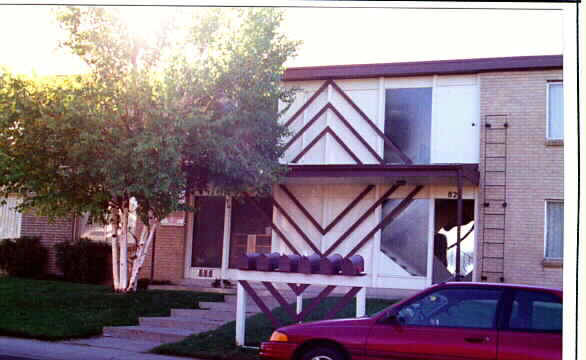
(420, 68)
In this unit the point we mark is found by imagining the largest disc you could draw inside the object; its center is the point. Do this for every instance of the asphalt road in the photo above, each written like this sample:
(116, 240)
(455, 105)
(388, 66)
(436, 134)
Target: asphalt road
(6, 357)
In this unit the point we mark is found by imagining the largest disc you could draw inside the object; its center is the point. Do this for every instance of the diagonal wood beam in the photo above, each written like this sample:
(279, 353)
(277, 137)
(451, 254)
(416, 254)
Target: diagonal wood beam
(361, 219)
(387, 219)
(298, 289)
(302, 208)
(260, 303)
(385, 138)
(349, 207)
(343, 301)
(322, 295)
(308, 102)
(277, 295)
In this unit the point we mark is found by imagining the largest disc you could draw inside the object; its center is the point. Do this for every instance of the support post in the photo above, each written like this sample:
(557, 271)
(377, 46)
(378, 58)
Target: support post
(459, 223)
(240, 313)
(299, 308)
(361, 303)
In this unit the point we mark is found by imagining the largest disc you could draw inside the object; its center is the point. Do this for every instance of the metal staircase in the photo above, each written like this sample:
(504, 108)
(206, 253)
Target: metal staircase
(495, 201)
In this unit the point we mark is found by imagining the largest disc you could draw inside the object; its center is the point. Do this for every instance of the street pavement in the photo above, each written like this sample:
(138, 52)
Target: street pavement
(26, 349)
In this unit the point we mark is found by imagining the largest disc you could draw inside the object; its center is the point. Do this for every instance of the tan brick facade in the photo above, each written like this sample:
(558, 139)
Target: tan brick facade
(51, 233)
(169, 254)
(534, 173)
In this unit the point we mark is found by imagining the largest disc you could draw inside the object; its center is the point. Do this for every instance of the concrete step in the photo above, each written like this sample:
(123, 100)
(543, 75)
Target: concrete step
(137, 346)
(145, 333)
(217, 306)
(177, 323)
(218, 317)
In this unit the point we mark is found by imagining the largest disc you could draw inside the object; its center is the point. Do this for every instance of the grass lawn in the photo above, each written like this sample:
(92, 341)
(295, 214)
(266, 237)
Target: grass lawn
(220, 343)
(55, 310)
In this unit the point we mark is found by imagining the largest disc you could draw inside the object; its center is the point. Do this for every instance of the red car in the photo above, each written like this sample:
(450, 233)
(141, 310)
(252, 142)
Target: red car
(448, 321)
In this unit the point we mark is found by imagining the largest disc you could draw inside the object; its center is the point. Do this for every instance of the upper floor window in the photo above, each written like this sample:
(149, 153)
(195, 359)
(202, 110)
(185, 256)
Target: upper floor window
(555, 110)
(408, 124)
(554, 229)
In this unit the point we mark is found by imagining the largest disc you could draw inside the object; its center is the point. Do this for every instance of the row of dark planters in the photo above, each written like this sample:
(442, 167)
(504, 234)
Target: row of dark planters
(80, 261)
(312, 264)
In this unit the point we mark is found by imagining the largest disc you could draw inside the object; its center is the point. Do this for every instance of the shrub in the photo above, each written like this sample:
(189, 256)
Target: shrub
(84, 261)
(24, 257)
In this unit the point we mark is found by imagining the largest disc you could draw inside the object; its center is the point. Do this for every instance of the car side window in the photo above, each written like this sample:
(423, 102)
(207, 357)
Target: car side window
(535, 311)
(457, 307)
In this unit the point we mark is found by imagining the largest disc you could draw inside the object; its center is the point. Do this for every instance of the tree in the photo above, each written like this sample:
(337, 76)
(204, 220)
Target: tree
(152, 122)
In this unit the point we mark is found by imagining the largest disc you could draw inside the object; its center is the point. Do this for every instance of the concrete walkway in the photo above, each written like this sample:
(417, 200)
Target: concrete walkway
(44, 350)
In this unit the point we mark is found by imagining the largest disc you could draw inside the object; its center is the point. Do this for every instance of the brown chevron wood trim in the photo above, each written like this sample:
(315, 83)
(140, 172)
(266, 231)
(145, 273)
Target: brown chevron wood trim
(308, 102)
(385, 138)
(277, 295)
(387, 219)
(306, 126)
(325, 131)
(302, 208)
(322, 295)
(342, 302)
(355, 133)
(349, 207)
(357, 223)
(344, 146)
(296, 227)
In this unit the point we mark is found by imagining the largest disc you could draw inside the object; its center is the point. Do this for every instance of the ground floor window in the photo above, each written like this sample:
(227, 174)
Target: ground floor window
(10, 219)
(554, 229)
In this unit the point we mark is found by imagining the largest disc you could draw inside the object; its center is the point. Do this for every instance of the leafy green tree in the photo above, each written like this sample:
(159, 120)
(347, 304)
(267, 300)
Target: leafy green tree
(153, 121)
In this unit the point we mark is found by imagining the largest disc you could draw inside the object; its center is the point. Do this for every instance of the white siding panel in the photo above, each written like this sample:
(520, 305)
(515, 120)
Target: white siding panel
(455, 131)
(10, 219)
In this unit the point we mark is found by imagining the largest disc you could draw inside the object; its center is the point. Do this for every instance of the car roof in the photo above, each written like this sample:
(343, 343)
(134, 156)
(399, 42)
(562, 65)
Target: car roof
(507, 285)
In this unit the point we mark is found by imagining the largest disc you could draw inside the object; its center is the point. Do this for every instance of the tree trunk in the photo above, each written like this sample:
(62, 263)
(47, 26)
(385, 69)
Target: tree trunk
(123, 284)
(141, 256)
(115, 258)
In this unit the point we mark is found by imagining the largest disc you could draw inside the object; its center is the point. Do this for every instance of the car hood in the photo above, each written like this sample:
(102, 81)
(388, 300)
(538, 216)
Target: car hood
(364, 321)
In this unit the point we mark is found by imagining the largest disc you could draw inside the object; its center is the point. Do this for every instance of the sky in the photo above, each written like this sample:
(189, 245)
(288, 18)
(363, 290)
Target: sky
(331, 36)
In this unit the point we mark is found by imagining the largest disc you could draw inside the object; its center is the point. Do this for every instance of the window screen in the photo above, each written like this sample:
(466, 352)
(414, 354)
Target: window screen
(555, 114)
(554, 242)
(250, 230)
(208, 232)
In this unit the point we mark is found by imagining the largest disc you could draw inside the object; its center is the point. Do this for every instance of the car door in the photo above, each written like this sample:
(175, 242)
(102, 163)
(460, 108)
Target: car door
(532, 329)
(448, 323)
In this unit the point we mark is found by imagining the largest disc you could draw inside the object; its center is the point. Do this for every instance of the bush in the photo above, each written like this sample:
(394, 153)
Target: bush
(24, 257)
(84, 261)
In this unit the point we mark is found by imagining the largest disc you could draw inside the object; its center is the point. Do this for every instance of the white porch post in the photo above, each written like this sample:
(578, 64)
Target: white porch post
(361, 302)
(299, 308)
(240, 314)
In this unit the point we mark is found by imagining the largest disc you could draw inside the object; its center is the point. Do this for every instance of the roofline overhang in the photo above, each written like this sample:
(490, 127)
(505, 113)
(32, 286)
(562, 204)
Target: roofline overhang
(420, 68)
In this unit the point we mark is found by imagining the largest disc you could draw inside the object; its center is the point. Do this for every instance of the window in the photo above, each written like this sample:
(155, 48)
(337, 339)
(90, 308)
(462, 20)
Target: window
(408, 124)
(555, 111)
(10, 219)
(250, 230)
(458, 307)
(535, 311)
(208, 231)
(554, 229)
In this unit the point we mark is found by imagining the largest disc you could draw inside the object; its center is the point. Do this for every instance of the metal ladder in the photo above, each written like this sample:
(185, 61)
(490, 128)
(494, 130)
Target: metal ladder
(495, 200)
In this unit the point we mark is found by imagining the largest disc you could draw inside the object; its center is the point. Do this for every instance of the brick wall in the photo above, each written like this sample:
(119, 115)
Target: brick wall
(50, 233)
(169, 254)
(534, 173)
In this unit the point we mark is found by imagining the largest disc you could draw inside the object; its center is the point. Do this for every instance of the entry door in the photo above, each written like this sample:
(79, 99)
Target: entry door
(208, 232)
(455, 323)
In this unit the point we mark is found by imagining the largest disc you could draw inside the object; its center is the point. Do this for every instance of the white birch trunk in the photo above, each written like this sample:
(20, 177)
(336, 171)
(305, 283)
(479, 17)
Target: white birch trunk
(123, 284)
(115, 258)
(141, 256)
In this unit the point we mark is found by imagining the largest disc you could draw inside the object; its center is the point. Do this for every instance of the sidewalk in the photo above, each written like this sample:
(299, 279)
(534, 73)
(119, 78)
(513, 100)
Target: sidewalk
(44, 350)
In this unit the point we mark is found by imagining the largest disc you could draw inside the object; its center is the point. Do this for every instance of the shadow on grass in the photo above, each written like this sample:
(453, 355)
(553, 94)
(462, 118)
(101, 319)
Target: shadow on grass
(58, 310)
